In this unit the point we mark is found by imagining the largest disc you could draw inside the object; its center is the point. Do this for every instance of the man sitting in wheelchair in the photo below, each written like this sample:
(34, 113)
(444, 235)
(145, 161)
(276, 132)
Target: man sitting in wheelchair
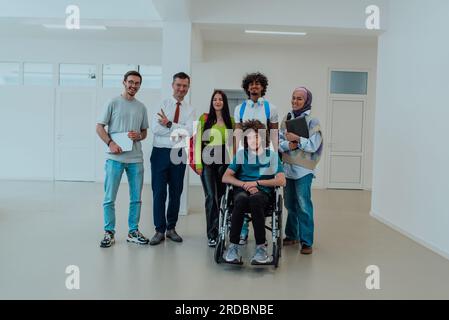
(254, 172)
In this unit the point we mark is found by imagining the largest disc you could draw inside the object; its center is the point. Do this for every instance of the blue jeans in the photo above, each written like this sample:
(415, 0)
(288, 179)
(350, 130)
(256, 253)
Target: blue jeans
(114, 171)
(298, 201)
(166, 173)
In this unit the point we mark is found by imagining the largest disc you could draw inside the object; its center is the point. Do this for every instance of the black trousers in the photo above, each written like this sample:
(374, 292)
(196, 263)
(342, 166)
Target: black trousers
(244, 202)
(214, 189)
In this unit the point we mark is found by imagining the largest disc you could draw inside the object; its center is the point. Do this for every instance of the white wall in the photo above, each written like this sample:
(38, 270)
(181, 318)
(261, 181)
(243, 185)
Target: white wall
(286, 67)
(26, 133)
(411, 172)
(59, 50)
(27, 112)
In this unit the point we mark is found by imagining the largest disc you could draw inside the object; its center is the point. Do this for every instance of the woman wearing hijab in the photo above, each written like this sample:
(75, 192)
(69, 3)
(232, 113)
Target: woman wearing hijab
(300, 156)
(213, 148)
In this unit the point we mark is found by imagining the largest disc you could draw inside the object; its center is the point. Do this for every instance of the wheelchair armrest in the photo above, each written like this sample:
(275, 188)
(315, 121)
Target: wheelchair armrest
(228, 191)
(277, 193)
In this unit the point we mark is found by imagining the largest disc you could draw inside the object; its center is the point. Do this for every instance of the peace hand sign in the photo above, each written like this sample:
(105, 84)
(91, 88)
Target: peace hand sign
(163, 120)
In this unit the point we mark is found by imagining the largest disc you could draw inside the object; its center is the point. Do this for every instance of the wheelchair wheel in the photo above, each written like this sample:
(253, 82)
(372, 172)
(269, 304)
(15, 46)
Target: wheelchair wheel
(222, 231)
(219, 249)
(276, 252)
(280, 225)
(277, 245)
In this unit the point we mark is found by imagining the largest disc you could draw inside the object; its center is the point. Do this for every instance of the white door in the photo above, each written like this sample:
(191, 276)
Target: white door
(346, 143)
(75, 134)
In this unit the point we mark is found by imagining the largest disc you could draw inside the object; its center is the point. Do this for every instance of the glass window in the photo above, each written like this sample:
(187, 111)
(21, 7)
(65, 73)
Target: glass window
(113, 74)
(38, 74)
(151, 76)
(80, 75)
(9, 73)
(349, 82)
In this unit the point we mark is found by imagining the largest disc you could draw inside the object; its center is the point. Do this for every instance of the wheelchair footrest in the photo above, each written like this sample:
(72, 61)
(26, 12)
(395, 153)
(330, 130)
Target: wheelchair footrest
(235, 262)
(268, 263)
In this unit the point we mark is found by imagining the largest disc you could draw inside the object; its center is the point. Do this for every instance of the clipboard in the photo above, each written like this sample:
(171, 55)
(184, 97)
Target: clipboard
(122, 140)
(298, 126)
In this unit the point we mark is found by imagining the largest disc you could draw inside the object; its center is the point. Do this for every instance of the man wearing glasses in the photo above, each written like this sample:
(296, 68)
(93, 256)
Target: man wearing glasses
(124, 115)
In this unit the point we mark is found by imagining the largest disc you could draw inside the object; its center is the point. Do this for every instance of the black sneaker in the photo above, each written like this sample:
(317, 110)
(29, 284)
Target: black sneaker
(211, 242)
(108, 240)
(137, 237)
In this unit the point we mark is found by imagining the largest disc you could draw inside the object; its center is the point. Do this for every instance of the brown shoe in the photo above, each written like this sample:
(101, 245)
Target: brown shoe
(289, 242)
(306, 249)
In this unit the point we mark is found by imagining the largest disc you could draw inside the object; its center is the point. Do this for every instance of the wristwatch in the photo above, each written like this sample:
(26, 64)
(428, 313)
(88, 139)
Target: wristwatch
(169, 124)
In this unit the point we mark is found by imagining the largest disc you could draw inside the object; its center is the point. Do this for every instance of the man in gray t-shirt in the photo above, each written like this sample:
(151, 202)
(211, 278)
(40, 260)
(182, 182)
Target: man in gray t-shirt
(124, 114)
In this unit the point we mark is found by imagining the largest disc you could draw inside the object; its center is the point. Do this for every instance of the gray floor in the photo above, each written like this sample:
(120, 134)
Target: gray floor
(44, 227)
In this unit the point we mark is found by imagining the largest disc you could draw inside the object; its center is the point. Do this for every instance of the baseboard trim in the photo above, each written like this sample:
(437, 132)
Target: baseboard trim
(418, 240)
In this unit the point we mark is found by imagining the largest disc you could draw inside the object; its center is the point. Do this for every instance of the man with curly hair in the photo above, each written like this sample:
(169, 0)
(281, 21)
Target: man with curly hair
(256, 108)
(254, 172)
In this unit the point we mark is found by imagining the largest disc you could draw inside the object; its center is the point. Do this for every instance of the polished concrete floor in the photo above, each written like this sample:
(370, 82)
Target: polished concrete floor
(45, 226)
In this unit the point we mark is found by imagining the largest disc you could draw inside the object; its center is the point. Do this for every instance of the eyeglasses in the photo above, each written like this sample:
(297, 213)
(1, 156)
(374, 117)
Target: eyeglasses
(132, 83)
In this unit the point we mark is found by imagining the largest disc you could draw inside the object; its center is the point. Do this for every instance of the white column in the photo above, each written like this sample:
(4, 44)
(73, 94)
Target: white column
(176, 57)
(176, 52)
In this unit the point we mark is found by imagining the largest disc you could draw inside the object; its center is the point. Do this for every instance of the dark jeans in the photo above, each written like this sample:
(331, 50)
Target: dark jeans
(246, 203)
(165, 173)
(214, 189)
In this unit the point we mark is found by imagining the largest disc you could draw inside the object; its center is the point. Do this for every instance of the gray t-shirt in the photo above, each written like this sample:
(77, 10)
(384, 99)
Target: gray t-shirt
(122, 115)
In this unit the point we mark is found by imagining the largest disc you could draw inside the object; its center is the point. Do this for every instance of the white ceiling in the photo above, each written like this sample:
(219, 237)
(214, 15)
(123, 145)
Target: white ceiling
(14, 30)
(210, 33)
(315, 36)
(89, 9)
(141, 20)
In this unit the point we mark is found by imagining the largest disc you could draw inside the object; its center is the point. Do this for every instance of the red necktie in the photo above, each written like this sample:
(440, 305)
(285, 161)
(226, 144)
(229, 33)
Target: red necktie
(176, 119)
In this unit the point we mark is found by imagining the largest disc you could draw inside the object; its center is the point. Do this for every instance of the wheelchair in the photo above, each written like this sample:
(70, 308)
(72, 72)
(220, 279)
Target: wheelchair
(273, 223)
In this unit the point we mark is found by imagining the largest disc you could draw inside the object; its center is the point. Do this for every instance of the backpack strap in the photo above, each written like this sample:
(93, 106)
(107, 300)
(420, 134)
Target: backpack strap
(267, 110)
(266, 107)
(242, 111)
(267, 113)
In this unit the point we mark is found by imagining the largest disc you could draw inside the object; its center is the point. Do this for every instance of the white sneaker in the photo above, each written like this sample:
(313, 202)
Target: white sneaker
(233, 254)
(261, 256)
